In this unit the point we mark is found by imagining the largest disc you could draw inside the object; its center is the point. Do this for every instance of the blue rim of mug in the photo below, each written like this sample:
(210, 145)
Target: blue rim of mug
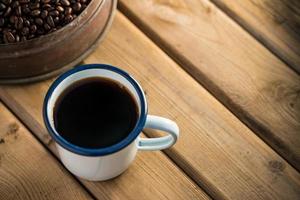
(99, 151)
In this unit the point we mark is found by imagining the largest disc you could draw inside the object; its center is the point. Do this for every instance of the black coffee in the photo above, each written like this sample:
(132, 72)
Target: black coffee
(95, 113)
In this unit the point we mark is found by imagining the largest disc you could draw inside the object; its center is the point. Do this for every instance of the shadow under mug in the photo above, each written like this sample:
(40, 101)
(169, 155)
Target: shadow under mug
(108, 162)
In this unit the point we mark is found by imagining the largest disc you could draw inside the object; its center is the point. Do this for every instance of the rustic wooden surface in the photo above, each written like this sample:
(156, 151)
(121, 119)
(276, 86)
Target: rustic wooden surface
(27, 170)
(240, 72)
(217, 155)
(152, 175)
(276, 23)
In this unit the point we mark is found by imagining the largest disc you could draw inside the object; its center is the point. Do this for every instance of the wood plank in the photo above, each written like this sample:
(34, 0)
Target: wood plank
(27, 169)
(249, 80)
(215, 148)
(274, 23)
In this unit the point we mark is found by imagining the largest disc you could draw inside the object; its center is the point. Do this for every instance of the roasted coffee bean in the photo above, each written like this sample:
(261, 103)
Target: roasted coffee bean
(26, 22)
(44, 14)
(18, 11)
(39, 21)
(8, 37)
(25, 31)
(25, 10)
(22, 20)
(60, 9)
(68, 18)
(15, 4)
(34, 6)
(19, 23)
(2, 6)
(45, 1)
(12, 19)
(65, 2)
(33, 28)
(56, 20)
(50, 9)
(35, 13)
(8, 11)
(47, 27)
(46, 6)
(50, 21)
(76, 7)
(68, 10)
(54, 13)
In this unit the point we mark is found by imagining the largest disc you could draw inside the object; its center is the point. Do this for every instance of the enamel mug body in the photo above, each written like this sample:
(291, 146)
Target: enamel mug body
(108, 162)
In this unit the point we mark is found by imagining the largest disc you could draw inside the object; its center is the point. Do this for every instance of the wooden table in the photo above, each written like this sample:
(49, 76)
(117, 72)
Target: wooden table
(226, 71)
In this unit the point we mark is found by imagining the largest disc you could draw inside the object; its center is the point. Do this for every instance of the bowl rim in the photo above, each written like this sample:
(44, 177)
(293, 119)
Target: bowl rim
(39, 77)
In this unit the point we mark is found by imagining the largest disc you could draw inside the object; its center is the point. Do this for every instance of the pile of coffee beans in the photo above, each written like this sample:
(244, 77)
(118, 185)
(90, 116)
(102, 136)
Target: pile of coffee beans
(22, 20)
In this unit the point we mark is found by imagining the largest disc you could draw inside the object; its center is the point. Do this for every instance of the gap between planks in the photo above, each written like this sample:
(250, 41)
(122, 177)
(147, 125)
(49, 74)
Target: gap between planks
(246, 14)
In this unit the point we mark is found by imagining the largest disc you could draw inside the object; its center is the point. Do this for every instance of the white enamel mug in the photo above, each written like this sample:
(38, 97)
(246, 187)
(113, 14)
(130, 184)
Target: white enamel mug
(109, 162)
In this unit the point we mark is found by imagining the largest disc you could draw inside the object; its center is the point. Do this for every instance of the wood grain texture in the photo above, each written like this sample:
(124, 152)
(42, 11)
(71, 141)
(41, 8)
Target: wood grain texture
(27, 170)
(215, 148)
(275, 23)
(239, 71)
(151, 176)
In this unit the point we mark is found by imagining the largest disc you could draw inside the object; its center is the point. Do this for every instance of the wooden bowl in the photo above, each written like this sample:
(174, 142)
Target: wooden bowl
(51, 54)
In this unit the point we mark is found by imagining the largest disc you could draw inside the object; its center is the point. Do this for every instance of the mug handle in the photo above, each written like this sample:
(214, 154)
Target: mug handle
(163, 124)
